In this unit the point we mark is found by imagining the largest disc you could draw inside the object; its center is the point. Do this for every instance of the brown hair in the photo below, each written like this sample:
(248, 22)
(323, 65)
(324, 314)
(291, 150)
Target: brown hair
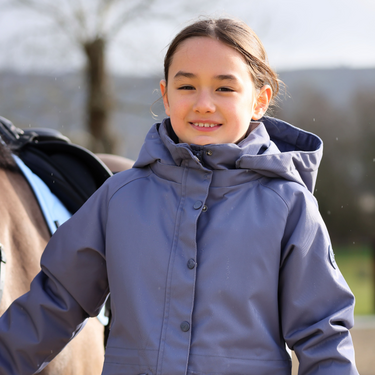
(235, 34)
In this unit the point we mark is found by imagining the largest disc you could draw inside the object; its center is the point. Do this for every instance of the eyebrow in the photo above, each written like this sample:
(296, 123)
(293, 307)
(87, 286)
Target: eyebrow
(220, 77)
(226, 77)
(181, 73)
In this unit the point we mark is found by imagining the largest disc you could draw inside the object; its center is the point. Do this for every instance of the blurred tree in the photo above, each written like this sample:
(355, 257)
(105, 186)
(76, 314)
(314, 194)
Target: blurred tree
(90, 26)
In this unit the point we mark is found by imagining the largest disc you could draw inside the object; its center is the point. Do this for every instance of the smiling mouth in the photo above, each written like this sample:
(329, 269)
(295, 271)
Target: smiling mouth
(204, 125)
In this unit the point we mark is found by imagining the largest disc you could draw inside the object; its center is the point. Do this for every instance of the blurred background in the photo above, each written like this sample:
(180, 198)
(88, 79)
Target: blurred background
(91, 69)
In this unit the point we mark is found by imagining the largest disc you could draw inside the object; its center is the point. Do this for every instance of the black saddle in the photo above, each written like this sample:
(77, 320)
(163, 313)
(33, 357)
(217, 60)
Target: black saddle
(71, 172)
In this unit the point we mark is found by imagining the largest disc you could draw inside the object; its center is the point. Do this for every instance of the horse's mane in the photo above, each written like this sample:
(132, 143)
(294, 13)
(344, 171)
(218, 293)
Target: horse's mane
(6, 159)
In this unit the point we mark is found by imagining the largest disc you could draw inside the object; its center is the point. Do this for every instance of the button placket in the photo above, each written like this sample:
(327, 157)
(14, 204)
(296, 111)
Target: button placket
(196, 183)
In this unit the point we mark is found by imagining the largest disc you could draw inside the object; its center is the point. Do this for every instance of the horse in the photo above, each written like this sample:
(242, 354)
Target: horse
(24, 235)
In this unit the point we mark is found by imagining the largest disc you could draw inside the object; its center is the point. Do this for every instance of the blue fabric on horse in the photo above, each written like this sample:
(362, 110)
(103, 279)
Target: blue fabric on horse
(53, 210)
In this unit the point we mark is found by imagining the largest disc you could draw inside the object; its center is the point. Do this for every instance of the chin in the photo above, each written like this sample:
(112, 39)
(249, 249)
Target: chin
(203, 141)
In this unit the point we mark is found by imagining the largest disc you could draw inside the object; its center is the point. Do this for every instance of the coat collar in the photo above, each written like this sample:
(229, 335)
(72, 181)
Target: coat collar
(272, 148)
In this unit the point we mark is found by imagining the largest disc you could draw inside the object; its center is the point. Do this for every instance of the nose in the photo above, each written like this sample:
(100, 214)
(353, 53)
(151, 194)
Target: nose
(204, 103)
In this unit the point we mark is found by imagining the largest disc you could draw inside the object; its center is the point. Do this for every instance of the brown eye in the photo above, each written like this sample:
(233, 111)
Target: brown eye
(186, 87)
(225, 89)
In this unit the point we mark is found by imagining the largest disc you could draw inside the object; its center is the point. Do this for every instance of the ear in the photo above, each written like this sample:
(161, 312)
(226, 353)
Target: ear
(163, 90)
(262, 102)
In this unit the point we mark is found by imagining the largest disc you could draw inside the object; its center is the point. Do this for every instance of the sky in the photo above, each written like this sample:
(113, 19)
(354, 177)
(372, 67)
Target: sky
(297, 34)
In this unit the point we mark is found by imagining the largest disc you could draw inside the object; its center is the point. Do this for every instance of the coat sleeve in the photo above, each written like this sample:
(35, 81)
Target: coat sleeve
(71, 286)
(316, 304)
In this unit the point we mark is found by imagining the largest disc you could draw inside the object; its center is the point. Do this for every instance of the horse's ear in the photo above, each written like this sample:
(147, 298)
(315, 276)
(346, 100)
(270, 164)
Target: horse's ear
(6, 159)
(8, 133)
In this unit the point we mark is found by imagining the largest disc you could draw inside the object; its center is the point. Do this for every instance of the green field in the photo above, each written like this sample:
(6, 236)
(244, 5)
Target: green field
(356, 264)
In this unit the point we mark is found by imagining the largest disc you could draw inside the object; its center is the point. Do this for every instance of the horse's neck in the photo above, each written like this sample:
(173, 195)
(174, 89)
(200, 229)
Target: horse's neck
(23, 232)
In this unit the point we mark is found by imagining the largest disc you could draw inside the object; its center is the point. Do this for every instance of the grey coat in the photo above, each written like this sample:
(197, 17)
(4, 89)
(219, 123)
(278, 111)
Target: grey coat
(215, 257)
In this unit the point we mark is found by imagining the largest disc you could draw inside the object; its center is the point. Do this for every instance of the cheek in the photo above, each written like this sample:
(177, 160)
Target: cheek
(240, 112)
(179, 107)
(242, 117)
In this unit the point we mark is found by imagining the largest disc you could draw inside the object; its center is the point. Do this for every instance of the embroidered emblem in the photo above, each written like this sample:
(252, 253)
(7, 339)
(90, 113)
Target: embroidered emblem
(332, 257)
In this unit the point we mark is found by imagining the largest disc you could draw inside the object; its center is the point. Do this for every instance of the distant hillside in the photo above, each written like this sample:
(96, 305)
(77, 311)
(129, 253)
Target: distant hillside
(337, 85)
(58, 101)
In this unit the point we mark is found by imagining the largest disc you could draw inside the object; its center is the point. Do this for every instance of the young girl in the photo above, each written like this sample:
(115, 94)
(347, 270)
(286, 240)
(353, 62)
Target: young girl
(212, 246)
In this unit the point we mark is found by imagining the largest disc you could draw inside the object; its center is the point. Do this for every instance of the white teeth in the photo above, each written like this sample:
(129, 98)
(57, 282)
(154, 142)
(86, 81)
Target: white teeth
(204, 125)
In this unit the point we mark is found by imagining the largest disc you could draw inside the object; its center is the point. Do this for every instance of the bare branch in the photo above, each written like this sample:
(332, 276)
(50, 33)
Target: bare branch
(127, 16)
(53, 13)
(49, 9)
(79, 15)
(103, 9)
(31, 45)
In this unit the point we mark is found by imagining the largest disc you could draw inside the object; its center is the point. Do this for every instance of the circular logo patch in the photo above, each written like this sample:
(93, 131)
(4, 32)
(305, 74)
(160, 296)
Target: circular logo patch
(332, 257)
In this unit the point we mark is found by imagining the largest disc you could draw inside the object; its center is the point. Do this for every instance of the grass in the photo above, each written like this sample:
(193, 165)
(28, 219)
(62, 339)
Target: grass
(356, 264)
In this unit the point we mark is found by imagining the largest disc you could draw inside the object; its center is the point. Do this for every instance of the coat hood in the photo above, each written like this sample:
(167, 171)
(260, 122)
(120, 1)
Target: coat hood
(272, 148)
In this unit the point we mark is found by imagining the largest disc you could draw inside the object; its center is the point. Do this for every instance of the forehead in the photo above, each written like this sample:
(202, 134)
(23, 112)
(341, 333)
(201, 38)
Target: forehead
(207, 55)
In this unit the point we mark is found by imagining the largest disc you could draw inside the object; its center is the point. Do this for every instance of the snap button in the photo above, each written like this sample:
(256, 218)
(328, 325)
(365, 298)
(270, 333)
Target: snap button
(185, 326)
(198, 205)
(209, 152)
(204, 208)
(191, 263)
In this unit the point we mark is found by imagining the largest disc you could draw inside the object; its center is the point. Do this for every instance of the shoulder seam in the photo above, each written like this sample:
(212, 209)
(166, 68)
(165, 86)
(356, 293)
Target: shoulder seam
(128, 182)
(278, 194)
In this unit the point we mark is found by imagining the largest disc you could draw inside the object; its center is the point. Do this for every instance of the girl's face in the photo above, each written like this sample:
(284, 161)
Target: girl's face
(210, 97)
